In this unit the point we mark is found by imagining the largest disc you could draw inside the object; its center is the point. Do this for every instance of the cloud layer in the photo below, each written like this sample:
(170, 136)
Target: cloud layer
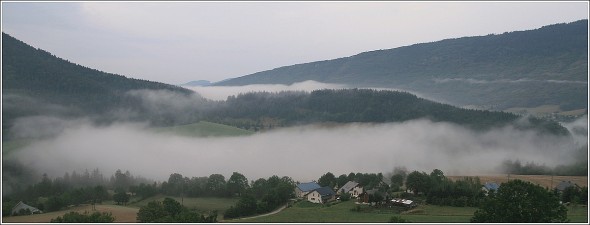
(222, 92)
(304, 153)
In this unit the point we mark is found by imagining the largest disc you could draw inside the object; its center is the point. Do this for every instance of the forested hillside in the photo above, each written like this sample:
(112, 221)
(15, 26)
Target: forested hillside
(38, 83)
(265, 110)
(35, 82)
(546, 66)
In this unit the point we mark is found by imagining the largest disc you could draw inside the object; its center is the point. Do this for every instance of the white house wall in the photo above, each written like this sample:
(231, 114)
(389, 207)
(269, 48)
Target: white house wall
(314, 197)
(356, 191)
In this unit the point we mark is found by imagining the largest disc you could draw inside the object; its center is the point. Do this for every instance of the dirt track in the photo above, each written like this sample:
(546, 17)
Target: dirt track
(251, 217)
(122, 214)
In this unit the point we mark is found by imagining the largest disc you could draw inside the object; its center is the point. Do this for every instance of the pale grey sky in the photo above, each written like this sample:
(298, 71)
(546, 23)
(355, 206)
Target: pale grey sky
(176, 42)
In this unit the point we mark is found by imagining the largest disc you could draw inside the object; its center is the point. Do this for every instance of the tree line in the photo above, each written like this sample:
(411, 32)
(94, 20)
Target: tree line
(265, 110)
(265, 195)
(74, 189)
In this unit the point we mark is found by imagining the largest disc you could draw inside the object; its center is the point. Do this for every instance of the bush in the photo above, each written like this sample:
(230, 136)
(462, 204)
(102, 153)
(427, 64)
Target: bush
(521, 202)
(170, 211)
(398, 219)
(54, 203)
(345, 197)
(75, 217)
(356, 208)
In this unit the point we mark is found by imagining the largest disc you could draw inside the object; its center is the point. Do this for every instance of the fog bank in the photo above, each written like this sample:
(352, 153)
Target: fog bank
(304, 153)
(222, 92)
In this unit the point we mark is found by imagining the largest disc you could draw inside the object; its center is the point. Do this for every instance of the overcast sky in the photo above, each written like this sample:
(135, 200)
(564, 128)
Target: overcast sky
(176, 42)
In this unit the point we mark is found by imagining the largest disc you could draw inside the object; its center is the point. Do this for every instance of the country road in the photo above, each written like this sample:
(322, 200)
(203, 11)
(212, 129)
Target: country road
(261, 215)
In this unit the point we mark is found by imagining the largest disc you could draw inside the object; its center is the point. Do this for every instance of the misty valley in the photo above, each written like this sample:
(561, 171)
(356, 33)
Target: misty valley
(82, 145)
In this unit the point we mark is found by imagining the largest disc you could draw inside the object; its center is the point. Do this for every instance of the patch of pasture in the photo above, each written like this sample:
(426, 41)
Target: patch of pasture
(122, 214)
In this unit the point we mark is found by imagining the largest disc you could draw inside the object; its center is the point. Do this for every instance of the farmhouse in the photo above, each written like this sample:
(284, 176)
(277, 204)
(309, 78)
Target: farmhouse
(21, 208)
(302, 189)
(563, 185)
(490, 186)
(321, 195)
(351, 187)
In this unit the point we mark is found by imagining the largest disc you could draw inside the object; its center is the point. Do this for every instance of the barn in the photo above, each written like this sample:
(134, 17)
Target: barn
(21, 209)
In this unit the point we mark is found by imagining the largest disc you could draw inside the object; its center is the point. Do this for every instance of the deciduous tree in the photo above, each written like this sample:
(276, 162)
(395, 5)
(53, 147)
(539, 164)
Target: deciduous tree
(518, 201)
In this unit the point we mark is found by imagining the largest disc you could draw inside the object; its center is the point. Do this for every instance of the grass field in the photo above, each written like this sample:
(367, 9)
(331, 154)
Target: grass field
(122, 214)
(204, 204)
(204, 129)
(301, 212)
(546, 110)
(128, 213)
(305, 212)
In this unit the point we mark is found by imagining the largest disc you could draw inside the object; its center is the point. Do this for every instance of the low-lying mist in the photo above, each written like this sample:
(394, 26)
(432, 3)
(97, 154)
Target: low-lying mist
(222, 92)
(60, 144)
(303, 152)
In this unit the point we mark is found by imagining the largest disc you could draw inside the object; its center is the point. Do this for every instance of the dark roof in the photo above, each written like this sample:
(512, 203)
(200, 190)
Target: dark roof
(325, 191)
(22, 205)
(349, 186)
(491, 186)
(563, 185)
(308, 186)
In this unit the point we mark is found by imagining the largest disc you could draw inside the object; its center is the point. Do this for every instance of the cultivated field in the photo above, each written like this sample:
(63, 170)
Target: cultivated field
(122, 214)
(128, 214)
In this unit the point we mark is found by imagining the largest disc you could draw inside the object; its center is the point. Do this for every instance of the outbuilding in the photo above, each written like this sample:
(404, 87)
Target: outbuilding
(22, 209)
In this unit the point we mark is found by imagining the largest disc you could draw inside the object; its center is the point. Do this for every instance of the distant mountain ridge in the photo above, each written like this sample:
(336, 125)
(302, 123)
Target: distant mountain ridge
(197, 83)
(545, 66)
(36, 83)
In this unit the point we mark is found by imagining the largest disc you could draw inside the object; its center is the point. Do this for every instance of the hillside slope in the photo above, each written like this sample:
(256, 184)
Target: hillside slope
(35, 82)
(546, 66)
(265, 110)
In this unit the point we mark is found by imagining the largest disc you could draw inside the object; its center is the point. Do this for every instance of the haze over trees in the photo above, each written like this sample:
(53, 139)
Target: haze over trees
(38, 83)
(528, 68)
(268, 110)
(35, 82)
(545, 66)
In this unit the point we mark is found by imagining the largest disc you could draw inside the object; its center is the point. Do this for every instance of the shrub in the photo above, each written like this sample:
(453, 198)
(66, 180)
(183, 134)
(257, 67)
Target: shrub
(76, 217)
(398, 219)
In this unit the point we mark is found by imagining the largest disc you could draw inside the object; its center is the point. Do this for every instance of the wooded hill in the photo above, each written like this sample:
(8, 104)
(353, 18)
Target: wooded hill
(35, 82)
(38, 83)
(545, 66)
(263, 110)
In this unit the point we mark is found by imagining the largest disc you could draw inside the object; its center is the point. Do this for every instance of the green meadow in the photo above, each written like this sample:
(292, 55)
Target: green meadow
(305, 212)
